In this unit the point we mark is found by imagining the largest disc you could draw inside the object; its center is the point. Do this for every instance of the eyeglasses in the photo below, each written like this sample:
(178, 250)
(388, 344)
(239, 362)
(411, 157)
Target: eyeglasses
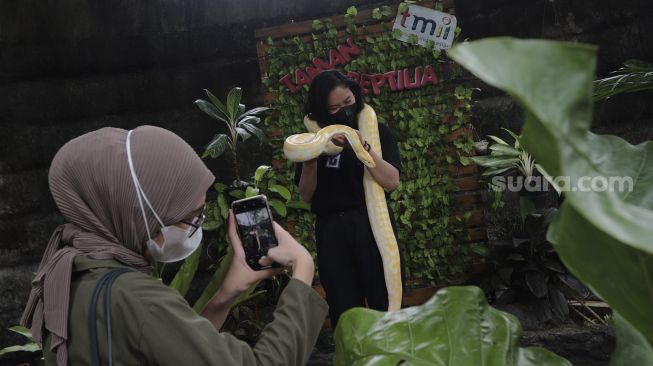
(196, 222)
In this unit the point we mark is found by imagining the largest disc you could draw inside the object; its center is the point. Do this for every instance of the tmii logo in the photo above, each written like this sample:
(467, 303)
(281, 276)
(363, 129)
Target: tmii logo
(426, 24)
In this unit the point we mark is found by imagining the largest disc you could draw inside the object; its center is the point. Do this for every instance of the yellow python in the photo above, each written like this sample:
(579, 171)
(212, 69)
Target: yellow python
(307, 146)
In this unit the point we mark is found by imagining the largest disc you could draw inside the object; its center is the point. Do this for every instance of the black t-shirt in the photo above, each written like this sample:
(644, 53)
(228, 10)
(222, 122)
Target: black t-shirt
(340, 177)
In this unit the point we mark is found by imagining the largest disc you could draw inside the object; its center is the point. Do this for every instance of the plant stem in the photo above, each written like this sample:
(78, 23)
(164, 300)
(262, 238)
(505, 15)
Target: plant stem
(235, 161)
(234, 154)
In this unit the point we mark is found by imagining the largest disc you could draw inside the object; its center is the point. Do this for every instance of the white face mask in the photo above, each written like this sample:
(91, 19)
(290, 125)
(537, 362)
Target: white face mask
(176, 243)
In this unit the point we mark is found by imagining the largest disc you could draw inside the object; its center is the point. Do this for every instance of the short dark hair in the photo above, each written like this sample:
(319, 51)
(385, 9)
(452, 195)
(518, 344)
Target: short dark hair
(318, 95)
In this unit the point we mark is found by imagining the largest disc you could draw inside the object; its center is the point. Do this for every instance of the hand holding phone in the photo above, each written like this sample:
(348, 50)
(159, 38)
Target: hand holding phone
(255, 229)
(289, 253)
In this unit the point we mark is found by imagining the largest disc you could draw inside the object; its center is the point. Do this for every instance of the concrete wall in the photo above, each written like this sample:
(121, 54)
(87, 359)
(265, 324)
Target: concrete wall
(69, 67)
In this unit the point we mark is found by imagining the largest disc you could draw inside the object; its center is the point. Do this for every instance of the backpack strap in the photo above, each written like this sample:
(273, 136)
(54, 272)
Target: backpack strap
(104, 283)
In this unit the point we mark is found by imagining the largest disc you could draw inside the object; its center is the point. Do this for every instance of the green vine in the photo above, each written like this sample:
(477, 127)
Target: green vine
(422, 119)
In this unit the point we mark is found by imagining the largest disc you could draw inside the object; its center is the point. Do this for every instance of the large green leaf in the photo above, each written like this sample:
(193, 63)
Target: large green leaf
(632, 348)
(456, 327)
(283, 191)
(216, 281)
(278, 206)
(240, 111)
(233, 101)
(223, 206)
(251, 191)
(253, 130)
(299, 204)
(211, 110)
(495, 161)
(604, 237)
(255, 111)
(29, 347)
(186, 272)
(249, 119)
(260, 172)
(218, 104)
(634, 76)
(217, 146)
(26, 332)
(505, 150)
(497, 140)
(243, 133)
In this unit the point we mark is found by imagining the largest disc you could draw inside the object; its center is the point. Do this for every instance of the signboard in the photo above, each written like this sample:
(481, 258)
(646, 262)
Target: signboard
(395, 80)
(427, 25)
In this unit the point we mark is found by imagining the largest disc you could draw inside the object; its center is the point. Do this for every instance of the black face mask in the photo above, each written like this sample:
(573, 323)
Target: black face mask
(345, 116)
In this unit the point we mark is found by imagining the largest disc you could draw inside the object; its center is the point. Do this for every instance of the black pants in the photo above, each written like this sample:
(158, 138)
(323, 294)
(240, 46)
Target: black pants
(349, 262)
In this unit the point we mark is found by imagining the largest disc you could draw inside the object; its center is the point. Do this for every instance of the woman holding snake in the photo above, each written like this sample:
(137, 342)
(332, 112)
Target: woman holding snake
(349, 263)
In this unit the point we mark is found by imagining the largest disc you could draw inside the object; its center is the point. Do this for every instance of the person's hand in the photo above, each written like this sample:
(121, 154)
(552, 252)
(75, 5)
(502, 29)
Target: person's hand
(340, 139)
(289, 253)
(241, 276)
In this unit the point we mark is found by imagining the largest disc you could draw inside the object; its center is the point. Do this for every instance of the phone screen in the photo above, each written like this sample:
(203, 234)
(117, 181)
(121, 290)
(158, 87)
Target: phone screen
(254, 228)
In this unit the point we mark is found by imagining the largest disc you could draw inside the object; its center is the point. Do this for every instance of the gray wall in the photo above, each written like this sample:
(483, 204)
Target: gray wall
(69, 67)
(622, 30)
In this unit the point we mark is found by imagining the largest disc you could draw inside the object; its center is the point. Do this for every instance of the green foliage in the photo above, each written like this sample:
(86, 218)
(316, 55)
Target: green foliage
(497, 202)
(241, 124)
(28, 347)
(264, 181)
(603, 237)
(216, 281)
(182, 280)
(632, 77)
(632, 347)
(376, 13)
(527, 270)
(505, 159)
(423, 203)
(456, 327)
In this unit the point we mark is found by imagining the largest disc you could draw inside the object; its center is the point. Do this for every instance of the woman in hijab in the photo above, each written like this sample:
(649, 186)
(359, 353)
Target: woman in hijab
(131, 198)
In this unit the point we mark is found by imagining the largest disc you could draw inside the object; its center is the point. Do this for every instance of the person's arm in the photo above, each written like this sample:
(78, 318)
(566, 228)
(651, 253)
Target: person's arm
(241, 277)
(217, 309)
(173, 334)
(384, 173)
(308, 180)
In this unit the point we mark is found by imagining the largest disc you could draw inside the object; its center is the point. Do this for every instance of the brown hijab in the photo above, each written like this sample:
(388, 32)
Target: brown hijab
(92, 186)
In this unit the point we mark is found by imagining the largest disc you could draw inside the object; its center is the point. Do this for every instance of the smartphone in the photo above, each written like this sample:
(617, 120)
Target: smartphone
(254, 224)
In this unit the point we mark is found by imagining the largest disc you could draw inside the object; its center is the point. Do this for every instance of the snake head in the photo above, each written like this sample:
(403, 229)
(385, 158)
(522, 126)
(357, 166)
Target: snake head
(366, 159)
(354, 142)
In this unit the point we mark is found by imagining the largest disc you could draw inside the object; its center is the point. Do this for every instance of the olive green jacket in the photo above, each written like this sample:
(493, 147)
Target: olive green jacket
(152, 324)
